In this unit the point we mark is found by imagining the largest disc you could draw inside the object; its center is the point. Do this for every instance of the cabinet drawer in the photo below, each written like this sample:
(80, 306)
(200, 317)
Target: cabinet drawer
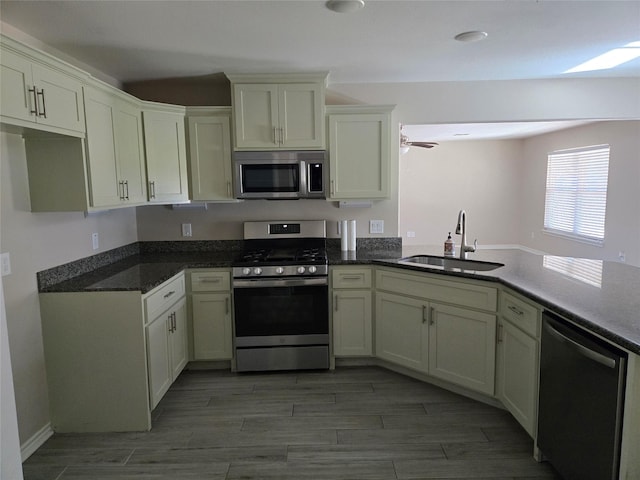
(210, 281)
(429, 288)
(351, 278)
(522, 314)
(163, 296)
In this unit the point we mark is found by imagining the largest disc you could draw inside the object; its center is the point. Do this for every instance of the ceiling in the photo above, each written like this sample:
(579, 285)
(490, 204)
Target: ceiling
(387, 41)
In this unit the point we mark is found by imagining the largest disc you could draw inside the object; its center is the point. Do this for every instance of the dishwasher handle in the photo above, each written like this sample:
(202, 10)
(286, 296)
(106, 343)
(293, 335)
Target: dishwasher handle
(581, 349)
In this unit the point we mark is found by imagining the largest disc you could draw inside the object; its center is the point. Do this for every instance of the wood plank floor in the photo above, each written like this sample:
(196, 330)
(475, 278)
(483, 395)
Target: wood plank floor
(351, 423)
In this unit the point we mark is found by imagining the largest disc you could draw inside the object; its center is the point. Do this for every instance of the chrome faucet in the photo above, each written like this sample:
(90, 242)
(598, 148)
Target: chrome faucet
(461, 229)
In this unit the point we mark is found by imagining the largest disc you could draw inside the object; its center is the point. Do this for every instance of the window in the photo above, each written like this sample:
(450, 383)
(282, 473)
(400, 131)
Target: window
(576, 197)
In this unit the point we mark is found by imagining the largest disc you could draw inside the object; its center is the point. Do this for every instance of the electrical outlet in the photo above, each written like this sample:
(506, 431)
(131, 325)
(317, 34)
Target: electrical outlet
(411, 234)
(94, 241)
(622, 256)
(5, 262)
(376, 226)
(186, 230)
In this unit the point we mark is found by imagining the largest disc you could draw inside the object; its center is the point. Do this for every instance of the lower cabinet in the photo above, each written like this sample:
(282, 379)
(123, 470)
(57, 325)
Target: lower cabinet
(518, 354)
(351, 312)
(402, 332)
(414, 329)
(211, 317)
(166, 349)
(462, 347)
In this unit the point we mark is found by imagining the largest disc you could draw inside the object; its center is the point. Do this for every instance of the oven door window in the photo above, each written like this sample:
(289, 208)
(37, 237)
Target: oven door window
(267, 311)
(284, 178)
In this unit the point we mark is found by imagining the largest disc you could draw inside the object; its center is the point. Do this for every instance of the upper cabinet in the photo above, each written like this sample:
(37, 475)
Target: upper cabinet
(359, 151)
(209, 141)
(165, 144)
(278, 112)
(115, 149)
(39, 92)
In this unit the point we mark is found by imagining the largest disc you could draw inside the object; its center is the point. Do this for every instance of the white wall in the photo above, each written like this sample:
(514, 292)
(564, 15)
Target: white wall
(37, 241)
(481, 177)
(622, 225)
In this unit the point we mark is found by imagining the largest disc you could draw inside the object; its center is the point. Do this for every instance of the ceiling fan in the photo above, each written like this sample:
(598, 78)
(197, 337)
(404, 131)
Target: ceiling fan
(405, 143)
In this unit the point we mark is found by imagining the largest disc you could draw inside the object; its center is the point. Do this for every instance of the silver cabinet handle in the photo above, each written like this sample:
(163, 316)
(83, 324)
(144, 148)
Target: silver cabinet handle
(333, 188)
(126, 185)
(170, 319)
(499, 333)
(335, 302)
(169, 294)
(431, 316)
(43, 113)
(424, 314)
(152, 189)
(275, 135)
(226, 305)
(228, 189)
(34, 110)
(281, 136)
(515, 310)
(120, 190)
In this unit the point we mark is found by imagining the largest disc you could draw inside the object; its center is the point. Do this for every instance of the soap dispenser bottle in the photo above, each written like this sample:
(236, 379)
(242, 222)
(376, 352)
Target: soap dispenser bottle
(449, 247)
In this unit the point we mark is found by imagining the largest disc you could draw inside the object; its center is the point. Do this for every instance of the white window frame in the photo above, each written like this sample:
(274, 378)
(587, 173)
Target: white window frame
(576, 193)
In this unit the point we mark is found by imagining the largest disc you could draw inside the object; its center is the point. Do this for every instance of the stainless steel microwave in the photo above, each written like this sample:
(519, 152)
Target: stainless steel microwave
(280, 174)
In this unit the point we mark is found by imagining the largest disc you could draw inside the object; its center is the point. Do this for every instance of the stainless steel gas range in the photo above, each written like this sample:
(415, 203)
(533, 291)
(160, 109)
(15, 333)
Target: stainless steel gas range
(281, 297)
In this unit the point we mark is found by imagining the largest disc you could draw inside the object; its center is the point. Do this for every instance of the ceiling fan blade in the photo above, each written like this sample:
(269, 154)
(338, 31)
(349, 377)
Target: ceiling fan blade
(423, 144)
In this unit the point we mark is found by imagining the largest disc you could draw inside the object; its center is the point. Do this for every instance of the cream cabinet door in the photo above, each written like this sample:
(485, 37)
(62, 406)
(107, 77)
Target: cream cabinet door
(256, 121)
(462, 346)
(15, 82)
(517, 374)
(402, 332)
(210, 158)
(359, 156)
(352, 323)
(102, 163)
(165, 145)
(59, 97)
(301, 115)
(178, 340)
(158, 357)
(212, 326)
(130, 152)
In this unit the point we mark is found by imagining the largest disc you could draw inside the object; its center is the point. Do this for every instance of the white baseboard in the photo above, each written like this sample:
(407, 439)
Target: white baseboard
(29, 447)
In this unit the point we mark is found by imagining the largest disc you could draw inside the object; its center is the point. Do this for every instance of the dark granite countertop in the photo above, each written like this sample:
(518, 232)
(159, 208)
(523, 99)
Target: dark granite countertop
(603, 297)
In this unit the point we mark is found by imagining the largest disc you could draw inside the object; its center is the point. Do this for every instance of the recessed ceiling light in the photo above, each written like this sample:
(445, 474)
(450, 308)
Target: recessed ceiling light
(472, 36)
(609, 59)
(345, 6)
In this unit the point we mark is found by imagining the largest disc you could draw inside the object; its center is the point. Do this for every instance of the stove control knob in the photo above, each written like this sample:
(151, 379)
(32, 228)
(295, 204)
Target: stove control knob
(312, 269)
(300, 270)
(257, 271)
(279, 270)
(246, 271)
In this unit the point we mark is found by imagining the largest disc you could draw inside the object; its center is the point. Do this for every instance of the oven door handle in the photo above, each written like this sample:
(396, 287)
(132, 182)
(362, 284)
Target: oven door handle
(279, 282)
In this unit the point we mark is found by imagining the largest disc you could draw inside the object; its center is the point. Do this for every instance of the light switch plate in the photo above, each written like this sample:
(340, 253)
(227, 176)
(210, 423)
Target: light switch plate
(186, 230)
(5, 263)
(94, 241)
(376, 226)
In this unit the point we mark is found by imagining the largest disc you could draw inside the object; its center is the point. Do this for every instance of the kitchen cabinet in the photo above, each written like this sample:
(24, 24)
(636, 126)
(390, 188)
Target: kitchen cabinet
(351, 311)
(209, 140)
(275, 112)
(105, 354)
(166, 349)
(115, 149)
(518, 352)
(359, 152)
(445, 328)
(40, 92)
(402, 331)
(166, 153)
(462, 345)
(211, 315)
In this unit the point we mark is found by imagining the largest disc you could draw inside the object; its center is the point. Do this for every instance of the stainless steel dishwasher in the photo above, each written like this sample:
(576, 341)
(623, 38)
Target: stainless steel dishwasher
(581, 401)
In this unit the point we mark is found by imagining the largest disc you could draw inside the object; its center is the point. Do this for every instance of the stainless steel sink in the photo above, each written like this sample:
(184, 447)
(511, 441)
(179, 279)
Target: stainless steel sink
(450, 263)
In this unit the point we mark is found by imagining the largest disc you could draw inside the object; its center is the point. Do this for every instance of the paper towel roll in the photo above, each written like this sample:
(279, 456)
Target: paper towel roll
(352, 235)
(344, 236)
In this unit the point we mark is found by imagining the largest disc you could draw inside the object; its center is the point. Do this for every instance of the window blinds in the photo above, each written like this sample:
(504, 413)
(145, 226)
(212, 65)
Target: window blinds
(576, 195)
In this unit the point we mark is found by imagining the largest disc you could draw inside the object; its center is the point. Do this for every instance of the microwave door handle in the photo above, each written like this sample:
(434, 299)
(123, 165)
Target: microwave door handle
(304, 178)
